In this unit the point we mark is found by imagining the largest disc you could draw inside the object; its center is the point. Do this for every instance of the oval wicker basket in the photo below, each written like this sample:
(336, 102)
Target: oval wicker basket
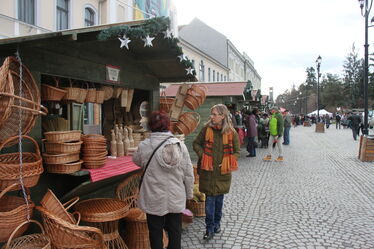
(32, 166)
(63, 136)
(99, 96)
(13, 211)
(197, 208)
(34, 241)
(96, 164)
(52, 93)
(82, 95)
(72, 93)
(91, 95)
(62, 148)
(187, 123)
(61, 159)
(196, 95)
(66, 168)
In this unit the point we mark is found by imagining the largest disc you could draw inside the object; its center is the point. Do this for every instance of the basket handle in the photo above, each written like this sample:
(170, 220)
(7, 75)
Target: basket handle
(13, 185)
(78, 216)
(70, 203)
(21, 225)
(11, 139)
(57, 81)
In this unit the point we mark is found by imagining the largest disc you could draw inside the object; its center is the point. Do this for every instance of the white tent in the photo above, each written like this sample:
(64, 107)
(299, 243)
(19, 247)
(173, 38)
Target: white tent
(322, 112)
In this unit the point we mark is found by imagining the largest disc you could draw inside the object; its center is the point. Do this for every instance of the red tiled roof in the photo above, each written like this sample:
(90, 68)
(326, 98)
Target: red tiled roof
(214, 89)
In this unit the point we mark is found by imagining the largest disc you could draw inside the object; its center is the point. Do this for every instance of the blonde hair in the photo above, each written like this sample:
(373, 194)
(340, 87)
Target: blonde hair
(227, 125)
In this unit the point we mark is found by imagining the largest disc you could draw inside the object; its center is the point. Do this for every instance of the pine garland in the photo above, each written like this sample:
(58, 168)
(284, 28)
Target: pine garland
(151, 27)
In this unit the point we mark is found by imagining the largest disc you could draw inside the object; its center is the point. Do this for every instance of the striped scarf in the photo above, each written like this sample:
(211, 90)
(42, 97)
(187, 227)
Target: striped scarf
(229, 162)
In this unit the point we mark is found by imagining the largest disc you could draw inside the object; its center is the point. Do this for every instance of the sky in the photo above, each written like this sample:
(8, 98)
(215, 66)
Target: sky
(284, 37)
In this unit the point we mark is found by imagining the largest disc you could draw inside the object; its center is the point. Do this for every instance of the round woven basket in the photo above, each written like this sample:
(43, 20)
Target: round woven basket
(62, 148)
(61, 159)
(197, 208)
(31, 241)
(66, 168)
(187, 123)
(13, 212)
(63, 136)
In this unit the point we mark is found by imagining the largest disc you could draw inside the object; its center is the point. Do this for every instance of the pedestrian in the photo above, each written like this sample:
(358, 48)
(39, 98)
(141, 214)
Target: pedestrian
(327, 121)
(276, 133)
(287, 127)
(338, 119)
(355, 122)
(167, 183)
(251, 126)
(217, 147)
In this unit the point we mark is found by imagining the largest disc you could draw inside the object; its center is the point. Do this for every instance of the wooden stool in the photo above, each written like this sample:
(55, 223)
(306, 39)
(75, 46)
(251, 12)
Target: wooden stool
(104, 214)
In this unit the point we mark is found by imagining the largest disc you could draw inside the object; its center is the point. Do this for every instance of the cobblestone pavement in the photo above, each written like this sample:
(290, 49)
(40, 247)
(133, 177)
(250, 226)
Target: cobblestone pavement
(321, 196)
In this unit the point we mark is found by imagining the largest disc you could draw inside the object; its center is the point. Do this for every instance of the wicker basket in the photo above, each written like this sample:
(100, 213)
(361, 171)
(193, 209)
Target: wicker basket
(32, 241)
(82, 95)
(54, 206)
(72, 93)
(62, 148)
(196, 95)
(94, 164)
(165, 103)
(63, 136)
(13, 212)
(6, 102)
(51, 93)
(197, 208)
(108, 92)
(187, 123)
(61, 159)
(32, 166)
(91, 95)
(99, 96)
(66, 168)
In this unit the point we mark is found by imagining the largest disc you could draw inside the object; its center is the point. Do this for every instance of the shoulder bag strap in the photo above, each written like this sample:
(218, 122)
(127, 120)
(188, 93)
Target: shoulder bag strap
(150, 158)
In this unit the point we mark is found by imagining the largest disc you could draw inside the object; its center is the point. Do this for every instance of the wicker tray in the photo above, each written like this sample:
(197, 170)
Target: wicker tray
(197, 208)
(63, 136)
(13, 210)
(31, 241)
(60, 159)
(66, 168)
(54, 206)
(62, 148)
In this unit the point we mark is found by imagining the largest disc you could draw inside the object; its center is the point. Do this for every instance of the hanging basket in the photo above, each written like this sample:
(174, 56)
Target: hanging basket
(51, 93)
(72, 93)
(13, 212)
(196, 95)
(166, 103)
(32, 166)
(187, 123)
(99, 96)
(82, 95)
(34, 241)
(91, 95)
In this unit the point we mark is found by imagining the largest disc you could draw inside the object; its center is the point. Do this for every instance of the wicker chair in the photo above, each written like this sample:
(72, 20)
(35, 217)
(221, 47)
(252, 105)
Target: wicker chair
(136, 236)
(65, 235)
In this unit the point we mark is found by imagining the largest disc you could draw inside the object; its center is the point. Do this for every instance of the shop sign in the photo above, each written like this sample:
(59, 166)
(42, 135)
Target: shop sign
(112, 74)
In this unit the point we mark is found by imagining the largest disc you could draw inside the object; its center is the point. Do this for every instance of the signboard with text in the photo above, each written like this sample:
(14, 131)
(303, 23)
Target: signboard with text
(112, 74)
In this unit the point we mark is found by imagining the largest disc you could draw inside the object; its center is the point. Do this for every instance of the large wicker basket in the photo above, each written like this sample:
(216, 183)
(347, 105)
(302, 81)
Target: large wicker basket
(51, 93)
(72, 93)
(65, 168)
(63, 136)
(32, 166)
(31, 241)
(61, 158)
(187, 123)
(13, 212)
(62, 148)
(197, 208)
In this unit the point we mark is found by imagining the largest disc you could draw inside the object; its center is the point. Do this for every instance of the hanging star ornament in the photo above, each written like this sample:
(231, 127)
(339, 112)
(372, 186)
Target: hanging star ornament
(182, 57)
(168, 34)
(148, 41)
(124, 42)
(190, 70)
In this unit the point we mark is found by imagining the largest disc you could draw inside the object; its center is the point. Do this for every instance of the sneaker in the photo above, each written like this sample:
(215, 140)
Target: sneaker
(267, 158)
(208, 236)
(279, 159)
(217, 229)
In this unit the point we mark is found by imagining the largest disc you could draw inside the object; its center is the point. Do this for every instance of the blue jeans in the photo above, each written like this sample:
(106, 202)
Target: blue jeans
(251, 146)
(287, 135)
(213, 212)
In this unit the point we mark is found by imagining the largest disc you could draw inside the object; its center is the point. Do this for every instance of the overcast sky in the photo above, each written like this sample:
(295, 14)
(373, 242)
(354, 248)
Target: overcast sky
(284, 37)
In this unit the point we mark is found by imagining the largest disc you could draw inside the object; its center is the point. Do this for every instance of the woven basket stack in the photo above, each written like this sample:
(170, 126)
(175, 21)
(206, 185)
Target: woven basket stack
(62, 151)
(94, 151)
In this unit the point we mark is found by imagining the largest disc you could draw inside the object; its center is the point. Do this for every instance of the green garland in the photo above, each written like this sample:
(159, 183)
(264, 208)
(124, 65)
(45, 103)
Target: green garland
(151, 27)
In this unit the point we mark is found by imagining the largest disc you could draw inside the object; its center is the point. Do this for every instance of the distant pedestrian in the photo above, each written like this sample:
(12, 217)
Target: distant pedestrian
(327, 121)
(276, 133)
(217, 147)
(287, 127)
(355, 122)
(338, 119)
(251, 125)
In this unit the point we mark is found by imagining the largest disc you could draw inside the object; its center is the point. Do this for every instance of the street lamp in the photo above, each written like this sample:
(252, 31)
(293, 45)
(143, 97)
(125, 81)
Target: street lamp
(365, 10)
(318, 64)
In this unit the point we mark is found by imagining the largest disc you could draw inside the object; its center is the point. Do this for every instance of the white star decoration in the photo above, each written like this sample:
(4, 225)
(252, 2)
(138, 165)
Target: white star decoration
(190, 70)
(168, 34)
(124, 42)
(182, 57)
(148, 41)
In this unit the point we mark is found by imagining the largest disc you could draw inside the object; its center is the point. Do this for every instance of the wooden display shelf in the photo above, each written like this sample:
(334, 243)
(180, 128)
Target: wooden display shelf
(366, 149)
(320, 127)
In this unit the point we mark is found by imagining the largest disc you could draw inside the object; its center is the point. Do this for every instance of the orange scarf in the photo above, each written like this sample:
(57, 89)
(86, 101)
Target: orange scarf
(229, 162)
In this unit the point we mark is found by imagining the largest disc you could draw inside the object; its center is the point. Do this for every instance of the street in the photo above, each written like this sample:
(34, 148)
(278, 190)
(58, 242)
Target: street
(321, 196)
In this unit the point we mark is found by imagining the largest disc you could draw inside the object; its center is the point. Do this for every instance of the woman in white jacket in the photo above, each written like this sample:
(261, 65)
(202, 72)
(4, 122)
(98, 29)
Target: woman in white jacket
(167, 183)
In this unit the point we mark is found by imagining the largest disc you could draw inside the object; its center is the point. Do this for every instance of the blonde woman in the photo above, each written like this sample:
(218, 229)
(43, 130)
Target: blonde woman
(218, 148)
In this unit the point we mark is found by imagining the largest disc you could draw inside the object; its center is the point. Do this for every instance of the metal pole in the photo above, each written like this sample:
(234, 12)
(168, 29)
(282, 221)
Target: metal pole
(317, 93)
(366, 68)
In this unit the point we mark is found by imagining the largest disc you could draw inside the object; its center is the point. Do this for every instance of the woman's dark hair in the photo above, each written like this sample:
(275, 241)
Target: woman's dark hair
(159, 121)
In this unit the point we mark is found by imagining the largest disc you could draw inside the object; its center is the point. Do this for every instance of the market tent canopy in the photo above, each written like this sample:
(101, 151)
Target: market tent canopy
(321, 112)
(159, 61)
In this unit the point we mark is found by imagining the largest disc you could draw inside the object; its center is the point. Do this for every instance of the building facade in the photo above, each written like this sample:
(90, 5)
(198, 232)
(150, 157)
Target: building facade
(29, 17)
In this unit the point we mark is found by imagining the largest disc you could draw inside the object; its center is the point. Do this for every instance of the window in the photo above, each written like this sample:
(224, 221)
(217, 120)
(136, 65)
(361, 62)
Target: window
(209, 74)
(193, 63)
(214, 75)
(62, 14)
(221, 77)
(201, 71)
(225, 79)
(89, 17)
(26, 11)
(217, 76)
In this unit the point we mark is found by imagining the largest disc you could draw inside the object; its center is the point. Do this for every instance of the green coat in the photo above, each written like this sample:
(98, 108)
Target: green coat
(276, 128)
(212, 182)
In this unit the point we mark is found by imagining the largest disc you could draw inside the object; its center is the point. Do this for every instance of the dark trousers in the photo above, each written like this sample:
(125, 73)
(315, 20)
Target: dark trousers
(213, 212)
(355, 132)
(251, 146)
(286, 139)
(337, 124)
(172, 223)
